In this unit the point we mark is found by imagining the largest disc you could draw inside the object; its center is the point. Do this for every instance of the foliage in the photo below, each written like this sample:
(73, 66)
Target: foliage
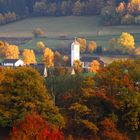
(57, 58)
(94, 66)
(29, 56)
(22, 90)
(109, 131)
(127, 19)
(126, 40)
(48, 57)
(33, 127)
(11, 52)
(40, 45)
(77, 8)
(65, 60)
(77, 65)
(38, 33)
(83, 44)
(92, 46)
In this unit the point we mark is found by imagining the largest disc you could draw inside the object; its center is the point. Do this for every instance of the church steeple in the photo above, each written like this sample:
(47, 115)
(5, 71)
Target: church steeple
(75, 51)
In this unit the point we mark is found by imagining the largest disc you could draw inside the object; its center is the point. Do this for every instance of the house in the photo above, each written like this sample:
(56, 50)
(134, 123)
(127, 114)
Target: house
(41, 68)
(86, 60)
(12, 63)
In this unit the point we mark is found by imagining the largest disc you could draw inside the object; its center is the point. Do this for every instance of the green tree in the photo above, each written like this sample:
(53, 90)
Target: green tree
(26, 92)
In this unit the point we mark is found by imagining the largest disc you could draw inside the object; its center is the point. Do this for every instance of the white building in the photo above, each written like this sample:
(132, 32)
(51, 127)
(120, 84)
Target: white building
(12, 63)
(75, 51)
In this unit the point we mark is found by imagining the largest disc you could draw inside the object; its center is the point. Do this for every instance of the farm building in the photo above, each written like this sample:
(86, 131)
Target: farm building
(12, 63)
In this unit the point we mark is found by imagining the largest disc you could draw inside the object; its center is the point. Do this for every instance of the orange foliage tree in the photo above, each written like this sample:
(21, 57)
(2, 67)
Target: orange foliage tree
(11, 52)
(28, 56)
(94, 66)
(33, 127)
(109, 130)
(48, 57)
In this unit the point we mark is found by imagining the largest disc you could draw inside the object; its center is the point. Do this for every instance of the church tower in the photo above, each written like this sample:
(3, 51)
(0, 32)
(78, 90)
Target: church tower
(75, 51)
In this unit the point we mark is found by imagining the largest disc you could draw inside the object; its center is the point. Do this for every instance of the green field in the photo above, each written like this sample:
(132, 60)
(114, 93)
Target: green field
(55, 28)
(68, 26)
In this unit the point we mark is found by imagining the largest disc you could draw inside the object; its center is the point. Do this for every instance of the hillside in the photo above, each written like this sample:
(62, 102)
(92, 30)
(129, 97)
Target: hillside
(68, 26)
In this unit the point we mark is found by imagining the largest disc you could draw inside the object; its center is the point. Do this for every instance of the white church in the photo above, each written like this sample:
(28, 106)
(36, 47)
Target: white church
(75, 55)
(75, 51)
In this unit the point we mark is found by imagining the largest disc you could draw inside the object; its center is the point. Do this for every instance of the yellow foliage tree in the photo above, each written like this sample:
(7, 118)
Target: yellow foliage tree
(94, 66)
(83, 44)
(11, 52)
(40, 45)
(29, 56)
(77, 65)
(48, 57)
(126, 40)
(92, 46)
(134, 6)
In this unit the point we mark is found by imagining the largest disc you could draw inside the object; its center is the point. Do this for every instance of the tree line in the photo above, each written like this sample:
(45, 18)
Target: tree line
(111, 11)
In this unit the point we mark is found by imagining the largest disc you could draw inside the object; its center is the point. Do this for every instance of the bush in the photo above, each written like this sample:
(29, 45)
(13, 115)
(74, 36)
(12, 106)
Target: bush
(127, 19)
(38, 33)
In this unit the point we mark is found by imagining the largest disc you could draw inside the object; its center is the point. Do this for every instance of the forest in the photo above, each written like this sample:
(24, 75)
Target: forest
(104, 106)
(111, 11)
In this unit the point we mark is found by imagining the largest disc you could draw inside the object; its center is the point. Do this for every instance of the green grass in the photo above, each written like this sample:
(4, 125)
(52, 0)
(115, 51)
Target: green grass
(72, 26)
(68, 26)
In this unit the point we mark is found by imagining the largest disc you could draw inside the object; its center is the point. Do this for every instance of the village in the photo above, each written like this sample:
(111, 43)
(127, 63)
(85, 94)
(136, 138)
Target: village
(75, 57)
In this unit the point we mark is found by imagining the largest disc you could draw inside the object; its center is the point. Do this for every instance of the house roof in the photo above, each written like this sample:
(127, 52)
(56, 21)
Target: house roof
(10, 60)
(90, 59)
(39, 67)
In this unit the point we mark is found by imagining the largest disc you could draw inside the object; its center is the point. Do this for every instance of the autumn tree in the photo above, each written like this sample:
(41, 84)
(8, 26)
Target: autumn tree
(94, 66)
(57, 58)
(92, 46)
(83, 44)
(134, 6)
(28, 56)
(77, 8)
(2, 48)
(33, 127)
(52, 8)
(26, 92)
(40, 7)
(40, 45)
(38, 32)
(137, 51)
(65, 60)
(77, 65)
(11, 52)
(48, 57)
(126, 41)
(109, 130)
(121, 9)
(127, 19)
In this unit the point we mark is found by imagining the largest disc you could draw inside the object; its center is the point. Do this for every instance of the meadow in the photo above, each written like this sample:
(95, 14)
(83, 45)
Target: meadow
(60, 31)
(89, 27)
